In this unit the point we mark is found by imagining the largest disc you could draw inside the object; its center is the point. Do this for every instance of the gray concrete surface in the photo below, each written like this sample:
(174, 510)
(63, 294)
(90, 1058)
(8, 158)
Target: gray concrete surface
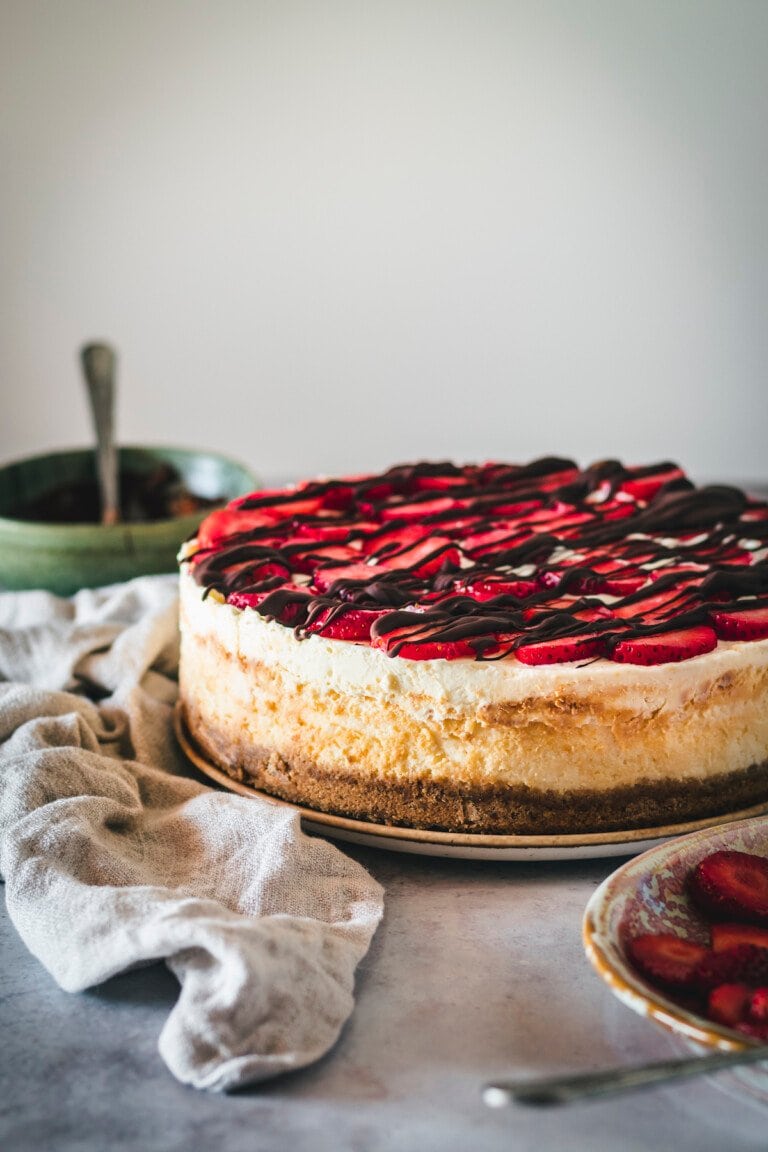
(476, 972)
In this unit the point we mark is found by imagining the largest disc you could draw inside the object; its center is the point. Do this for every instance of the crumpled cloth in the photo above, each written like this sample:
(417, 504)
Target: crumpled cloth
(114, 858)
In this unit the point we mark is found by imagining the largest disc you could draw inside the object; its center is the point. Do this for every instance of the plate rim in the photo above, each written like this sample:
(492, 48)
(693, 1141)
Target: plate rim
(393, 832)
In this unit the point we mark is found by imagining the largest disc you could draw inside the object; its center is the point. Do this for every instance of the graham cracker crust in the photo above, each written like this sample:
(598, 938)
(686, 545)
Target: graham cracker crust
(497, 810)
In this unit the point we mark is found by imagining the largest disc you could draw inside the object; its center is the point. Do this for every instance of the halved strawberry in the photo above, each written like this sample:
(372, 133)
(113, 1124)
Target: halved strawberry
(743, 965)
(666, 958)
(732, 935)
(729, 1003)
(560, 650)
(741, 623)
(665, 647)
(732, 885)
(758, 1005)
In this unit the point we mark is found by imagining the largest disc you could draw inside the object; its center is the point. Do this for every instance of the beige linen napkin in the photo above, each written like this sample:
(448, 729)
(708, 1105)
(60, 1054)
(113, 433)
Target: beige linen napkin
(113, 858)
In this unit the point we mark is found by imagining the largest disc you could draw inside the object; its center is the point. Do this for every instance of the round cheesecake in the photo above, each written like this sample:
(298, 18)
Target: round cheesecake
(493, 648)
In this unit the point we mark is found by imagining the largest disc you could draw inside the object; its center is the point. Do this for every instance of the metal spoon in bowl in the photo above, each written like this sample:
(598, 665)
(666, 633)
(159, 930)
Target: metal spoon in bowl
(99, 361)
(567, 1089)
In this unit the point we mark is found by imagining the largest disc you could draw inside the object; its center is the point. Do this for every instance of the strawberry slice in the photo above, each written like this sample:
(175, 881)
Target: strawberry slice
(423, 508)
(560, 650)
(425, 557)
(666, 958)
(335, 531)
(741, 624)
(286, 613)
(732, 935)
(732, 885)
(422, 649)
(438, 650)
(324, 578)
(743, 965)
(649, 606)
(353, 624)
(729, 1003)
(665, 647)
(646, 487)
(226, 522)
(758, 1007)
(487, 589)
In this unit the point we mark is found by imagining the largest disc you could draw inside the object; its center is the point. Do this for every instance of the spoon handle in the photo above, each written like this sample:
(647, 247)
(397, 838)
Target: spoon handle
(99, 362)
(565, 1089)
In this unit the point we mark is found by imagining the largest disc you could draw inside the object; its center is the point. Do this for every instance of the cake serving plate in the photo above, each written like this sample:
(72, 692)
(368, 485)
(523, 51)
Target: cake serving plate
(462, 845)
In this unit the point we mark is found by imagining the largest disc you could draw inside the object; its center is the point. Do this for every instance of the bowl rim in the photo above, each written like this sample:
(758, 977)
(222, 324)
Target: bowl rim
(611, 965)
(81, 528)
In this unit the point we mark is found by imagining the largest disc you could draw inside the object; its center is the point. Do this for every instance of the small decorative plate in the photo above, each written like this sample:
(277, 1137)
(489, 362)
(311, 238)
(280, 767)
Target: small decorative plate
(647, 894)
(464, 845)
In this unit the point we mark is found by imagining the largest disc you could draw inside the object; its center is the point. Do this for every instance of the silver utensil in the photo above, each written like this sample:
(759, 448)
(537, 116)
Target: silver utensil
(565, 1089)
(99, 361)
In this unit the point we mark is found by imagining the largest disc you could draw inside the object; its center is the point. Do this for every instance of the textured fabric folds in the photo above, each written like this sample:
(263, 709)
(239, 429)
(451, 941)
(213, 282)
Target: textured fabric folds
(113, 856)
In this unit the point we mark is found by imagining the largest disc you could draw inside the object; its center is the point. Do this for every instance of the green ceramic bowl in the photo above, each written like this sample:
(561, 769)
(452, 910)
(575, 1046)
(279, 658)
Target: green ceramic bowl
(63, 557)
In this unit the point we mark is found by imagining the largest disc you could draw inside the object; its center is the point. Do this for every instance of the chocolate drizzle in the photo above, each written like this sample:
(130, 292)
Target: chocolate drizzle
(411, 559)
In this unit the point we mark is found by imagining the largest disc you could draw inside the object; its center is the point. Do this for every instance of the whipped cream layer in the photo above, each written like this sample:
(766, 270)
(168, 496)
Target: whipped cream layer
(462, 684)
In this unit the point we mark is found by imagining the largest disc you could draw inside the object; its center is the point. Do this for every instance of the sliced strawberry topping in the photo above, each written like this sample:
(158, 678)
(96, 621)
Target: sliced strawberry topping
(425, 557)
(666, 958)
(335, 531)
(645, 487)
(729, 1003)
(227, 522)
(732, 885)
(650, 606)
(741, 624)
(665, 647)
(325, 578)
(422, 509)
(287, 609)
(306, 561)
(405, 642)
(732, 935)
(354, 624)
(560, 650)
(688, 561)
(487, 589)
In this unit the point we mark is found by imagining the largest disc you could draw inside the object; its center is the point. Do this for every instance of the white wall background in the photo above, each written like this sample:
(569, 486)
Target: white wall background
(332, 235)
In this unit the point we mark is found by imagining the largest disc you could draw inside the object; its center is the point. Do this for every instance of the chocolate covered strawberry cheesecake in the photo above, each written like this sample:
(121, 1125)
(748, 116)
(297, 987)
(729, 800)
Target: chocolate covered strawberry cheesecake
(495, 648)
